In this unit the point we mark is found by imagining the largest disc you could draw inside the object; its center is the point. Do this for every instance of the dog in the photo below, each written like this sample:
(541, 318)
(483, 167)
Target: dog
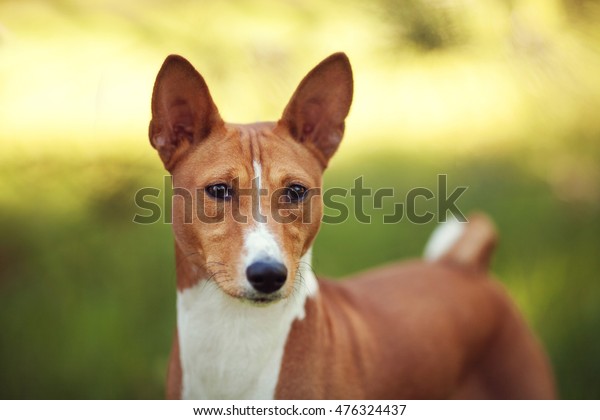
(254, 322)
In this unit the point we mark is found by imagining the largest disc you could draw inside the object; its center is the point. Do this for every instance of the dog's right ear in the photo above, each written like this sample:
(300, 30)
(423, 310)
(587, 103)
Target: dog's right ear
(183, 112)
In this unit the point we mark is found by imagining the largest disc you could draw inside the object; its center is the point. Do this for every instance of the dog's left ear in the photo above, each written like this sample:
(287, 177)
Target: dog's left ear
(183, 111)
(315, 115)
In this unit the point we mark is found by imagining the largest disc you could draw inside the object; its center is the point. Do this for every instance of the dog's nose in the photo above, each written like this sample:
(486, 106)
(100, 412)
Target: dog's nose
(266, 277)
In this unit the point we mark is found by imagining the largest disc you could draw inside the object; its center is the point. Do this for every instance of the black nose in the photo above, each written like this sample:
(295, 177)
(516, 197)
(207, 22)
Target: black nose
(266, 277)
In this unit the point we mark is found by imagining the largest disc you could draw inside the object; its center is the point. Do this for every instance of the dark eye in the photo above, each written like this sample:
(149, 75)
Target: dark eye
(295, 192)
(219, 191)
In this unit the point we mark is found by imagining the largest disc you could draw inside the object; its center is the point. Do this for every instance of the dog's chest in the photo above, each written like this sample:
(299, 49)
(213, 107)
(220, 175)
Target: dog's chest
(230, 349)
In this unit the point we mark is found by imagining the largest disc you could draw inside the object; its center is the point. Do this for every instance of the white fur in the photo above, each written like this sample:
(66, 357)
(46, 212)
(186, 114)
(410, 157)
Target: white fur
(442, 239)
(160, 140)
(259, 243)
(258, 177)
(230, 349)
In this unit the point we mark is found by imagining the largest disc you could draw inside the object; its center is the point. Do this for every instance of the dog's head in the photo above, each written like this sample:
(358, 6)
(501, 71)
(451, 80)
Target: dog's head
(247, 204)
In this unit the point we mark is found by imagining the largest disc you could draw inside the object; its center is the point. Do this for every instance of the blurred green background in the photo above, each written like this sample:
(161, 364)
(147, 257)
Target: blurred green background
(501, 95)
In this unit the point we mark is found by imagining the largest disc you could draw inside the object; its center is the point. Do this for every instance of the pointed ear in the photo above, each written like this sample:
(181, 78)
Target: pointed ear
(183, 113)
(315, 115)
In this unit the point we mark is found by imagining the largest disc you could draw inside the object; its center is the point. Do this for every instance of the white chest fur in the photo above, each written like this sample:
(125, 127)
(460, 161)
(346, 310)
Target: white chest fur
(230, 349)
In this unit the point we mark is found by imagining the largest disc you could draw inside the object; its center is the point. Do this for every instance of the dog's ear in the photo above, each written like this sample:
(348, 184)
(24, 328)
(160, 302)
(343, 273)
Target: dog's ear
(315, 115)
(183, 112)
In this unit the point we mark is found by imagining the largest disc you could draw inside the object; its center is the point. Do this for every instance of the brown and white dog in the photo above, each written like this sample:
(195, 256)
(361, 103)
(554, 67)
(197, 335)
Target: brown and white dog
(253, 321)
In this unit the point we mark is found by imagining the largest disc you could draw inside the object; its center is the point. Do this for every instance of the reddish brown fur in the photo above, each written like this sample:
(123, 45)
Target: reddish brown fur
(415, 330)
(225, 155)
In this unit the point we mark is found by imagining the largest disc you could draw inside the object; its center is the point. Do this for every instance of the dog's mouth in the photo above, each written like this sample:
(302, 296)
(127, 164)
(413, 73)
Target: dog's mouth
(261, 300)
(253, 297)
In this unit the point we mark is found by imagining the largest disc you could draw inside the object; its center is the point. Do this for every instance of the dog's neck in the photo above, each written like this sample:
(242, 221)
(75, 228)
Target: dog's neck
(233, 349)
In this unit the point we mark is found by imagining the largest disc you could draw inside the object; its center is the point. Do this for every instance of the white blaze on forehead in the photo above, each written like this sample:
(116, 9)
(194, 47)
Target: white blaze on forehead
(257, 177)
(259, 242)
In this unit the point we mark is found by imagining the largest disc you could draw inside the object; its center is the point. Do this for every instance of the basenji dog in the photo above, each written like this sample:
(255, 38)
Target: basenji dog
(254, 322)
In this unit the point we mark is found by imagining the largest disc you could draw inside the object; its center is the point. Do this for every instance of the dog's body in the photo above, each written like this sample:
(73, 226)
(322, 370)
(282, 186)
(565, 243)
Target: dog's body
(253, 321)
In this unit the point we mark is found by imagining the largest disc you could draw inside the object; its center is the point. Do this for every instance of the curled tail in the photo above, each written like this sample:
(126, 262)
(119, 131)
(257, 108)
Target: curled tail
(466, 244)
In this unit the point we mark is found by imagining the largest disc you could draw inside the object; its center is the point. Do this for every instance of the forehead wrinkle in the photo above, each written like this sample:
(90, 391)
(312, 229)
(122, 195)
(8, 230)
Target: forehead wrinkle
(254, 141)
(264, 148)
(283, 174)
(240, 140)
(288, 162)
(225, 171)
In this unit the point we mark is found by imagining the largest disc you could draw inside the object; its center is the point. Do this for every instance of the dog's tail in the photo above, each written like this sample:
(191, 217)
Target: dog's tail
(466, 244)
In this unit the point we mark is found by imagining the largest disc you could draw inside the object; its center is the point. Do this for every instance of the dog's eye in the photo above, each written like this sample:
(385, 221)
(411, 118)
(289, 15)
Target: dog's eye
(219, 191)
(295, 193)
